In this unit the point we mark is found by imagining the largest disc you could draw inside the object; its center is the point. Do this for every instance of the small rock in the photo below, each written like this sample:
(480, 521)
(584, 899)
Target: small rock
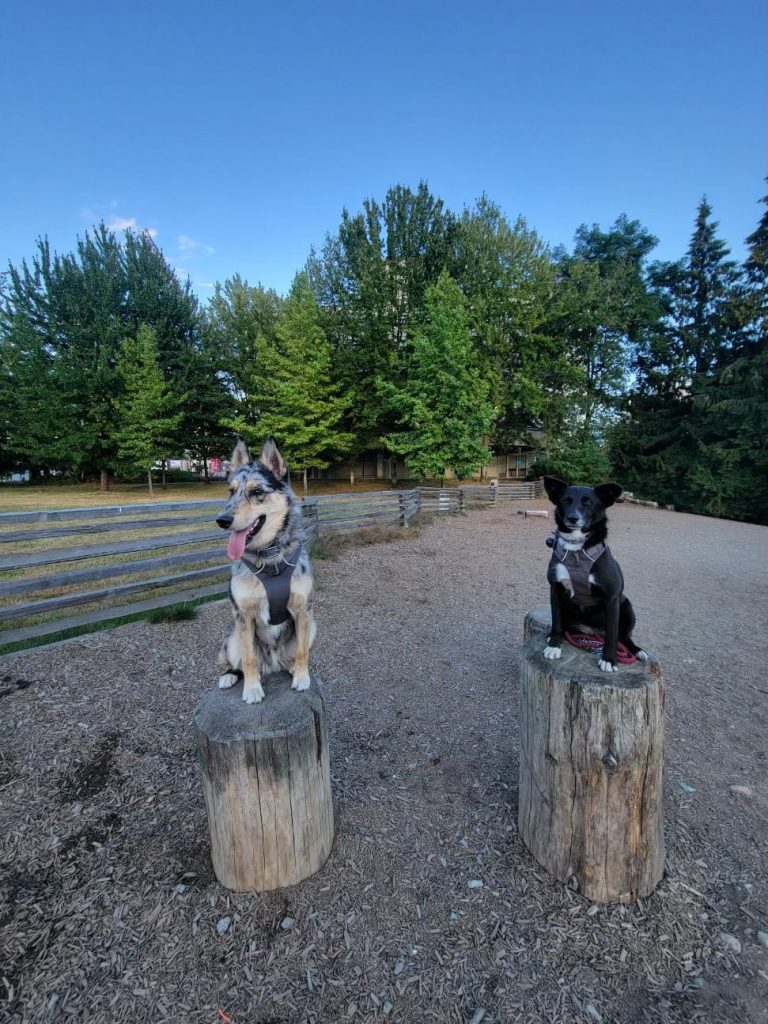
(730, 942)
(741, 790)
(478, 1015)
(387, 1008)
(475, 883)
(593, 910)
(698, 982)
(454, 916)
(762, 938)
(287, 923)
(223, 924)
(687, 788)
(399, 967)
(180, 888)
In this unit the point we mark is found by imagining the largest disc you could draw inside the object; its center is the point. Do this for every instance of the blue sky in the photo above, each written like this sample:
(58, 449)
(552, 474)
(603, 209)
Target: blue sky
(238, 131)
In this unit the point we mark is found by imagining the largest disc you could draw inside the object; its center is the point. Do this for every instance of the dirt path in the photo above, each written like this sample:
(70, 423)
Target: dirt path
(110, 909)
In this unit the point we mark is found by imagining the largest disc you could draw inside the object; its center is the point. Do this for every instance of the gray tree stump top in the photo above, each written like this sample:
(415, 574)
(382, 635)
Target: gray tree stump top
(224, 716)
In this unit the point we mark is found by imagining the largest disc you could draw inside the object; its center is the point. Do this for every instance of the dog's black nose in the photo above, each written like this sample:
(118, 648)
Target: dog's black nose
(224, 520)
(568, 519)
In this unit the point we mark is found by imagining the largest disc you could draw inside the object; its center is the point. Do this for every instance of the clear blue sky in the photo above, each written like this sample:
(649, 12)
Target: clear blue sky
(239, 131)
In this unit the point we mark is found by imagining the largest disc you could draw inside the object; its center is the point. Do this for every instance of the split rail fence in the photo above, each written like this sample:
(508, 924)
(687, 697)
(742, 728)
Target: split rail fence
(170, 553)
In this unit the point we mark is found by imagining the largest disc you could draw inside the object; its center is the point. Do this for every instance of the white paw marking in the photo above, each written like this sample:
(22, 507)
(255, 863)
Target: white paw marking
(552, 652)
(253, 694)
(300, 682)
(227, 680)
(606, 666)
(641, 656)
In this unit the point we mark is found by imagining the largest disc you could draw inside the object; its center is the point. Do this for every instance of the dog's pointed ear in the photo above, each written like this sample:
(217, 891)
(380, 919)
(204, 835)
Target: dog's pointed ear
(554, 487)
(608, 493)
(272, 459)
(240, 457)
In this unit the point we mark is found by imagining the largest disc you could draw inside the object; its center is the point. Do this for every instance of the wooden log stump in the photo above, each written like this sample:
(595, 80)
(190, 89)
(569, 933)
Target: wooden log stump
(266, 781)
(591, 760)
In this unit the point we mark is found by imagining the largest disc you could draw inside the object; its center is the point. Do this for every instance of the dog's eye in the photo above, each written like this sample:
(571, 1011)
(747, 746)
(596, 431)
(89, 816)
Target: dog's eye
(588, 502)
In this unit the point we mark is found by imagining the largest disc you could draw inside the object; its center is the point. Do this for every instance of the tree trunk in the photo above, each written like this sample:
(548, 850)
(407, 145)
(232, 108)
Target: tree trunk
(163, 484)
(352, 477)
(267, 786)
(104, 480)
(591, 761)
(305, 482)
(205, 468)
(149, 480)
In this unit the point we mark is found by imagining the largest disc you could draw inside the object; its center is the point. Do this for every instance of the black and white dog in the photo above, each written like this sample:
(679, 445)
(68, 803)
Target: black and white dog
(586, 585)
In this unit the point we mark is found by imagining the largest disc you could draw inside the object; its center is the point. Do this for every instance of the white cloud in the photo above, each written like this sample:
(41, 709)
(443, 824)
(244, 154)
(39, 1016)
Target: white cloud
(187, 244)
(126, 223)
(122, 223)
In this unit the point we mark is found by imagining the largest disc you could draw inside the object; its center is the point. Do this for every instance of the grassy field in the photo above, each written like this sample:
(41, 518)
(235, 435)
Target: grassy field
(29, 497)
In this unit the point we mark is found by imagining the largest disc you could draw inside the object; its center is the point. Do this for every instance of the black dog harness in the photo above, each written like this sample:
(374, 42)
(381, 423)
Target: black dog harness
(276, 578)
(579, 564)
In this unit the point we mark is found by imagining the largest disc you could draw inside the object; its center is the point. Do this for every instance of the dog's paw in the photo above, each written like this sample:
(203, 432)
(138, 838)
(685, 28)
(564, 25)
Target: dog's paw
(300, 682)
(607, 666)
(253, 694)
(642, 656)
(552, 652)
(227, 680)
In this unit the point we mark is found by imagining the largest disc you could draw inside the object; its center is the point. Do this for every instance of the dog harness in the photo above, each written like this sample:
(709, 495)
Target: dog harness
(276, 579)
(579, 564)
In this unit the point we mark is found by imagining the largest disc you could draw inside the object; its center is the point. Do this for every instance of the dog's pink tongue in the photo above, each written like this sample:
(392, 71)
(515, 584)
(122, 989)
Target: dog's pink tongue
(236, 544)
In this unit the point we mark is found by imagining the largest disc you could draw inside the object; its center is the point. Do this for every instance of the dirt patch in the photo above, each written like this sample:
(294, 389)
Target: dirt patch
(109, 910)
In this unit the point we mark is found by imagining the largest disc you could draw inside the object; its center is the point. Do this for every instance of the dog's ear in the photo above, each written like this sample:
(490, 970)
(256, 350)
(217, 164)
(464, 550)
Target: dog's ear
(608, 493)
(240, 457)
(554, 487)
(273, 460)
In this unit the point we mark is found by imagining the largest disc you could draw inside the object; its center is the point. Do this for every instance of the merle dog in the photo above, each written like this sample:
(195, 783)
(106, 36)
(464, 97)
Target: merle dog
(586, 585)
(271, 589)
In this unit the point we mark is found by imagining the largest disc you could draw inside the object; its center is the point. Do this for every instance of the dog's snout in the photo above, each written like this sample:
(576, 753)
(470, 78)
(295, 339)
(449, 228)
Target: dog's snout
(572, 519)
(225, 520)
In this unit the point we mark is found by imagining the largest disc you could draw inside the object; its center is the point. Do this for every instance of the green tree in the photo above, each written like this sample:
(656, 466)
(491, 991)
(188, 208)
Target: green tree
(300, 401)
(148, 411)
(443, 406)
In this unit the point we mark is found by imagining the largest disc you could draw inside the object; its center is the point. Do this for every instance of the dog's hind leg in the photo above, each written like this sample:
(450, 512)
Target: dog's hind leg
(626, 625)
(229, 662)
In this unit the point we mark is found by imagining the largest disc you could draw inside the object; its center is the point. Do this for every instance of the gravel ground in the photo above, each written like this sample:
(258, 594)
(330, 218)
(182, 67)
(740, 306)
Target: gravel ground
(110, 911)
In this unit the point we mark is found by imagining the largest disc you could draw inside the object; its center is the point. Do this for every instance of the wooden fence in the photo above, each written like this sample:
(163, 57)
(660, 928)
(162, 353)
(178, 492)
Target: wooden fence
(169, 553)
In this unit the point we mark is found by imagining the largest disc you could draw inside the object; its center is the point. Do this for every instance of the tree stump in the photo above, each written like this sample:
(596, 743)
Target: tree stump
(591, 760)
(266, 782)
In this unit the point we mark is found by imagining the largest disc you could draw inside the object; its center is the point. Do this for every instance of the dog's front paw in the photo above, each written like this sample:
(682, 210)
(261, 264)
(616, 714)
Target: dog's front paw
(300, 681)
(253, 694)
(642, 656)
(227, 680)
(607, 666)
(552, 652)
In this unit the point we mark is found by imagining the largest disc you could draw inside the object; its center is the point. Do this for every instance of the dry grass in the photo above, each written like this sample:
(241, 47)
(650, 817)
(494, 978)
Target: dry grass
(109, 908)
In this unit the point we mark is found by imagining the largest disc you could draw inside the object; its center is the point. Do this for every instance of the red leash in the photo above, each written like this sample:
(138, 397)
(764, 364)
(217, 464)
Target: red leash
(593, 642)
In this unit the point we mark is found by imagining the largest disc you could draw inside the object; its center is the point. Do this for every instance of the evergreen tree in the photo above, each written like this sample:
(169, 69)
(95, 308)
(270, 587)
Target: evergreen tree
(300, 402)
(443, 406)
(148, 412)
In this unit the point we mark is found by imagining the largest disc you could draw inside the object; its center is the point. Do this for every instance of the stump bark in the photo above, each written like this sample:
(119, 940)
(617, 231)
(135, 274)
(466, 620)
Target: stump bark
(266, 781)
(591, 761)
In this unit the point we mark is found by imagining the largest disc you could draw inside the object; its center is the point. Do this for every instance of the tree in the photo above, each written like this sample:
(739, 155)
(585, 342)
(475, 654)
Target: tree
(62, 322)
(148, 411)
(443, 406)
(370, 281)
(301, 403)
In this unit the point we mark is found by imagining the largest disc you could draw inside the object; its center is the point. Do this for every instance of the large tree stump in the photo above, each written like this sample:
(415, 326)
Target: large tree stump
(266, 781)
(591, 759)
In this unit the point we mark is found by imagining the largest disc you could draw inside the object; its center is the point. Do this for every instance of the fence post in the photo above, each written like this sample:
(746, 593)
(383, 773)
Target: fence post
(403, 509)
(494, 491)
(461, 499)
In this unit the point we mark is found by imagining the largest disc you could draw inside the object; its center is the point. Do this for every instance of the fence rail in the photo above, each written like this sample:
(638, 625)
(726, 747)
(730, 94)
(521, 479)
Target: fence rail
(39, 585)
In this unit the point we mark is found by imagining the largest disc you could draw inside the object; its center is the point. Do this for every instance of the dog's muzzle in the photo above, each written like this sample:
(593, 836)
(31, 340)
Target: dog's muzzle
(225, 520)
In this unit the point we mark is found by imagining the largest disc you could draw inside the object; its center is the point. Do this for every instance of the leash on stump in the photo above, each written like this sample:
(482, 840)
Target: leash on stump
(593, 642)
